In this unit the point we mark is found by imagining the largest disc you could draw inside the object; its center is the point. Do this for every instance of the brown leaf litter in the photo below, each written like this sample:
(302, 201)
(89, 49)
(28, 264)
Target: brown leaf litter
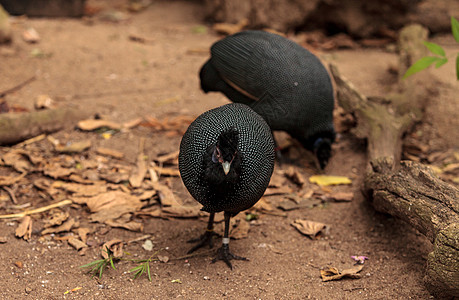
(138, 173)
(310, 229)
(115, 246)
(93, 124)
(24, 229)
(332, 273)
(110, 205)
(64, 227)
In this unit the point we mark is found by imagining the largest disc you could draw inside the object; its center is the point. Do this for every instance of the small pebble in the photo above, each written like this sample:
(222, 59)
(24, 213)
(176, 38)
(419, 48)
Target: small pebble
(206, 278)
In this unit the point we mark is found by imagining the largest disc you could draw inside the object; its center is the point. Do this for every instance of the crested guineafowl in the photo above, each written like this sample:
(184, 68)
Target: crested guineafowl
(280, 80)
(226, 161)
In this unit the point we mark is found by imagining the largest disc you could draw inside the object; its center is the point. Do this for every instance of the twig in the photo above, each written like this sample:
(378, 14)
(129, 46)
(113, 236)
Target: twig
(37, 210)
(138, 239)
(31, 141)
(17, 87)
(11, 193)
(354, 289)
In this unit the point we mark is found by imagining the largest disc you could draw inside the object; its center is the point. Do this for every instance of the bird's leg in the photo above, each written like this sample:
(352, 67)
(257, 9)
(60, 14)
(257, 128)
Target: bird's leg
(224, 252)
(206, 238)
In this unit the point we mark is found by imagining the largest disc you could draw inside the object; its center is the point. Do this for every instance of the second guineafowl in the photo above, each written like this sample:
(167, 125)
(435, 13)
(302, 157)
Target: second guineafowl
(226, 161)
(280, 80)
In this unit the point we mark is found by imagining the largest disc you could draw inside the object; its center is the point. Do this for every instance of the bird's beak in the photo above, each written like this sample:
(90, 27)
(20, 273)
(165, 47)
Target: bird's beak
(226, 167)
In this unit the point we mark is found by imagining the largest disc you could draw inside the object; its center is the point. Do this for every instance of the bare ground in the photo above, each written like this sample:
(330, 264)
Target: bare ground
(94, 66)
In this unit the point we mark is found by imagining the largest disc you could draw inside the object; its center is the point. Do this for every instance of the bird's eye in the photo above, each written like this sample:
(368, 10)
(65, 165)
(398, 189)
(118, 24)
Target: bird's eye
(216, 155)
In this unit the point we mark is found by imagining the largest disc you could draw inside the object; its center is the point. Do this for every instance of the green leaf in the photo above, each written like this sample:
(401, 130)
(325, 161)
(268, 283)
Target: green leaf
(96, 262)
(455, 28)
(457, 66)
(435, 48)
(148, 272)
(136, 268)
(111, 263)
(441, 62)
(420, 65)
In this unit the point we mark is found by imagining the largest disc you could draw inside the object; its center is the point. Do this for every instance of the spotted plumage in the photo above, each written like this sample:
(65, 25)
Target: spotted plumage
(280, 80)
(226, 161)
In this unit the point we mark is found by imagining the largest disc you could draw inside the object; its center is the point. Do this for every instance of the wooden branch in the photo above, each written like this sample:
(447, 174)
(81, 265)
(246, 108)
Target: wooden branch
(416, 195)
(15, 128)
(407, 190)
(376, 122)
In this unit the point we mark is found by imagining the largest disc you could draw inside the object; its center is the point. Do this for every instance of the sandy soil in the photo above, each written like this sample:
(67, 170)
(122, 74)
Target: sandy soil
(93, 65)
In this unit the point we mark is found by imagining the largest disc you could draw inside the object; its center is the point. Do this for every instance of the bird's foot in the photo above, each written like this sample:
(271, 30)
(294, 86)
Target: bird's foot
(225, 255)
(203, 240)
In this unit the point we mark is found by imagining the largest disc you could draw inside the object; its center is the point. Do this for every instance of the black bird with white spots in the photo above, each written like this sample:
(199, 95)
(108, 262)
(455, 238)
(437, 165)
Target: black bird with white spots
(226, 161)
(280, 80)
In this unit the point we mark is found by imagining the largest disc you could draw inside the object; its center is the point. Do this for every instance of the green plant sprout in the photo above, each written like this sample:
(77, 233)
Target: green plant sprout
(98, 266)
(144, 266)
(440, 58)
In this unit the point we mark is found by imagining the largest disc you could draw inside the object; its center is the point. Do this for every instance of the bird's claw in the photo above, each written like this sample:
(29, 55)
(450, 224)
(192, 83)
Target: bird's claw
(203, 240)
(225, 255)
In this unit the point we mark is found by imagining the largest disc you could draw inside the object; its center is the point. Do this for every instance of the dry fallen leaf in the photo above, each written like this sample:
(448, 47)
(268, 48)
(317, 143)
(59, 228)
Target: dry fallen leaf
(9, 180)
(110, 205)
(115, 245)
(57, 218)
(109, 152)
(166, 171)
(139, 172)
(80, 189)
(146, 195)
(309, 228)
(17, 159)
(24, 228)
(83, 233)
(334, 274)
(175, 126)
(277, 180)
(263, 205)
(288, 204)
(91, 124)
(178, 211)
(76, 243)
(115, 177)
(285, 189)
(341, 196)
(74, 147)
(168, 158)
(133, 123)
(324, 180)
(294, 176)
(166, 196)
(130, 225)
(65, 227)
(55, 170)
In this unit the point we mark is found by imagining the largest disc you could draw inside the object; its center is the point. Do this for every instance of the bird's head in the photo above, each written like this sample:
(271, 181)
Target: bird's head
(322, 150)
(225, 150)
(223, 159)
